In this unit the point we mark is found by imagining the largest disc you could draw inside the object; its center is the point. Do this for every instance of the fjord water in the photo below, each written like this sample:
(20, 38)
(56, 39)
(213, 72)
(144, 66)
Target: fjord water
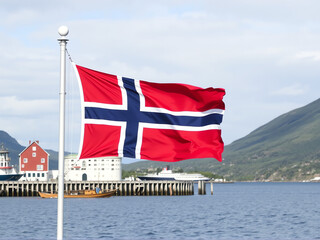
(234, 211)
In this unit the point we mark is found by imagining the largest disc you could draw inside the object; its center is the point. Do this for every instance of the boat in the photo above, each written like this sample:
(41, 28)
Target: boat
(7, 172)
(81, 194)
(167, 175)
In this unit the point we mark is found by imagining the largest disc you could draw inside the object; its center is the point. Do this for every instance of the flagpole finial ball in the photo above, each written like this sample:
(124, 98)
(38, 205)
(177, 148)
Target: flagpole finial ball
(63, 31)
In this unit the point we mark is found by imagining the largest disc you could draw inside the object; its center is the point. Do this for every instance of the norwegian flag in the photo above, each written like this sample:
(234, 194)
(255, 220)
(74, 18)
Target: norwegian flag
(154, 121)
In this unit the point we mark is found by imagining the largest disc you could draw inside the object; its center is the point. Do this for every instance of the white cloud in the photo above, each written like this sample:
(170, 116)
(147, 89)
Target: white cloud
(292, 90)
(12, 106)
(247, 47)
(312, 55)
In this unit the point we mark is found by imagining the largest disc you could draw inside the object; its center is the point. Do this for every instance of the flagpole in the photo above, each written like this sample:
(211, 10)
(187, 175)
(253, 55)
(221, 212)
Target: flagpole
(63, 31)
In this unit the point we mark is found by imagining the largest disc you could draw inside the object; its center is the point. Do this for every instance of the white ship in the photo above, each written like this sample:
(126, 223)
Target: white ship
(168, 175)
(7, 172)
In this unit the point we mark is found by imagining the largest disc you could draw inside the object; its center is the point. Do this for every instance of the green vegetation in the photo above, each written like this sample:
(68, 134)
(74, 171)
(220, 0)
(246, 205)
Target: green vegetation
(126, 174)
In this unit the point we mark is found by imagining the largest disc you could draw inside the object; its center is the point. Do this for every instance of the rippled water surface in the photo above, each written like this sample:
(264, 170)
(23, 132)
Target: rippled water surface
(234, 211)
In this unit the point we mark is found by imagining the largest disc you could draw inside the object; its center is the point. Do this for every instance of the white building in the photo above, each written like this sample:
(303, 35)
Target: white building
(93, 169)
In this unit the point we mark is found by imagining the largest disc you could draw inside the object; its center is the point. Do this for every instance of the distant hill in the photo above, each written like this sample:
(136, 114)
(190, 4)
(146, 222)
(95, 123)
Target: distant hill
(15, 149)
(285, 149)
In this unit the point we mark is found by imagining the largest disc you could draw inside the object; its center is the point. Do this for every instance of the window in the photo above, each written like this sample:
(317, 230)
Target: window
(29, 174)
(40, 167)
(25, 160)
(34, 148)
(34, 154)
(42, 174)
(33, 174)
(38, 174)
(22, 165)
(43, 160)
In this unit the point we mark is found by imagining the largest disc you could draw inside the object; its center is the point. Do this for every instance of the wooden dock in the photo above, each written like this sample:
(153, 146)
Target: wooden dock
(125, 188)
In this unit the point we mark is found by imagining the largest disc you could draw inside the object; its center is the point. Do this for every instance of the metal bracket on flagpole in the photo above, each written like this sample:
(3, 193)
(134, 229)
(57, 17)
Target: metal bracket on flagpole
(63, 31)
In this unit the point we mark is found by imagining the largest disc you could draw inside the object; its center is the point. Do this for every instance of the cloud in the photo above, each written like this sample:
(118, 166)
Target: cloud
(29, 119)
(12, 106)
(311, 55)
(253, 49)
(292, 90)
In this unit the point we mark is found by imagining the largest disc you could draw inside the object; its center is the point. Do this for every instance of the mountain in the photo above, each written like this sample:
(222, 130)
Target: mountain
(285, 149)
(15, 149)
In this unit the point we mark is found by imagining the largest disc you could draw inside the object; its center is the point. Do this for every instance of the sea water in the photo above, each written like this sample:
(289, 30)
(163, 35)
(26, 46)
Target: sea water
(234, 211)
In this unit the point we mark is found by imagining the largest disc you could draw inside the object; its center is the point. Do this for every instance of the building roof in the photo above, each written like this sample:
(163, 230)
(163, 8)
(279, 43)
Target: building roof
(36, 142)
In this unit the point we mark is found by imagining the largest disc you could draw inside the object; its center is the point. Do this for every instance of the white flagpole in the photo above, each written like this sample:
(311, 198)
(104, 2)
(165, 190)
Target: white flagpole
(63, 31)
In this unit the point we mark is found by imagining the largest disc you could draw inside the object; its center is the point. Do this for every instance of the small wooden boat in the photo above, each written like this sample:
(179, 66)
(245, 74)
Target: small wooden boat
(81, 194)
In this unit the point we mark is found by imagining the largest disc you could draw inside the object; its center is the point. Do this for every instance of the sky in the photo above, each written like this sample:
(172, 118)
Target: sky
(265, 54)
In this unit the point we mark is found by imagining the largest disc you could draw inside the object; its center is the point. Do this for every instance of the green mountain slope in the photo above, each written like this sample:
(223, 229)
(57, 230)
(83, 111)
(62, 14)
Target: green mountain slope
(285, 149)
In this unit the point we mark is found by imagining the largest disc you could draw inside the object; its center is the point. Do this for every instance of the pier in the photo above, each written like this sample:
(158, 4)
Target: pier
(125, 188)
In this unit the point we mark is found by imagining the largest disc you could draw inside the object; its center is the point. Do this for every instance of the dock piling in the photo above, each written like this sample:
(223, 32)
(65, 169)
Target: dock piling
(126, 188)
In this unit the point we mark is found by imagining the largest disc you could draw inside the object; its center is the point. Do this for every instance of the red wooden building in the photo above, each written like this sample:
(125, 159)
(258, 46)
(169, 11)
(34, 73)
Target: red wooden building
(34, 162)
